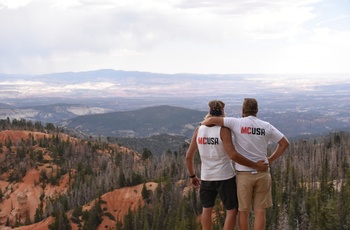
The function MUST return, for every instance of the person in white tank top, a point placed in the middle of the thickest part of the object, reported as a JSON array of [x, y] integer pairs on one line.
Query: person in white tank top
[[252, 137], [217, 175]]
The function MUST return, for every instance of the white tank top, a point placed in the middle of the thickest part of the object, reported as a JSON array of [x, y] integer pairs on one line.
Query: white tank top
[[216, 165]]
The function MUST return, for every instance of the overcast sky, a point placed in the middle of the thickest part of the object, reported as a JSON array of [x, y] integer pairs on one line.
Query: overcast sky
[[175, 36]]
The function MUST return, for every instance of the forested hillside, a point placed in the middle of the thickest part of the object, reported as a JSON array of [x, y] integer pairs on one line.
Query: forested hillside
[[79, 183]]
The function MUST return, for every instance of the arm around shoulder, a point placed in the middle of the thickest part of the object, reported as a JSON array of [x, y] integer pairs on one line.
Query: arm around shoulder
[[213, 121]]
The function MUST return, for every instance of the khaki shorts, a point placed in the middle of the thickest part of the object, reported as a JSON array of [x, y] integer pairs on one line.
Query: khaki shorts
[[253, 189]]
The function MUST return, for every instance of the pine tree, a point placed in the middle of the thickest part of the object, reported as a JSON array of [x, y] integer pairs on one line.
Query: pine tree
[[145, 193], [61, 223]]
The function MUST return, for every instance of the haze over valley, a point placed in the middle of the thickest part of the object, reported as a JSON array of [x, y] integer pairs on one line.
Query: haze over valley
[[296, 104]]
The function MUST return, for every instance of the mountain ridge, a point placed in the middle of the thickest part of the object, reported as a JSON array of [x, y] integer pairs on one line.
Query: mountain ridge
[[143, 122], [49, 113], [299, 104]]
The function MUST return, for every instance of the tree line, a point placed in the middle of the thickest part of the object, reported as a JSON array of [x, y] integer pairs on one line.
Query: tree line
[[311, 182]]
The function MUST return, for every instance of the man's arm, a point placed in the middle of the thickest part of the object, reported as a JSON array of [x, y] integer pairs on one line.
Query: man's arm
[[235, 156], [213, 121], [189, 159], [281, 148]]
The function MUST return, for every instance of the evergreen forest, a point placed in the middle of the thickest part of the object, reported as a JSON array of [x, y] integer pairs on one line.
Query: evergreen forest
[[311, 182]]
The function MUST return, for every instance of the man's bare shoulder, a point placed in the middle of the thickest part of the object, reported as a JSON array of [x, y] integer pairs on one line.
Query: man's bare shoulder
[[225, 130]]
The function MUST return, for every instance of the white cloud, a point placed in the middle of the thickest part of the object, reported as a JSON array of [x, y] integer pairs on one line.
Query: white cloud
[[333, 19], [13, 4], [330, 37], [21, 82], [90, 86], [169, 36]]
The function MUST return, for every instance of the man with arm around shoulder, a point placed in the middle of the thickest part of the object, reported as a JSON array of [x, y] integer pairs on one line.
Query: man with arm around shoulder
[[216, 151], [252, 137]]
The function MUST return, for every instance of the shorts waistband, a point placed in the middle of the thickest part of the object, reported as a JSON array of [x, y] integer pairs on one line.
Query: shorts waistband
[[251, 172]]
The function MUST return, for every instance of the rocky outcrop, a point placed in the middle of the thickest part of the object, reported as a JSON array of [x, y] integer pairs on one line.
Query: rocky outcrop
[[23, 207]]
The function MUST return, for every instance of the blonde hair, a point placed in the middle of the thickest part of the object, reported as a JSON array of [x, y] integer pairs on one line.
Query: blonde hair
[[216, 108]]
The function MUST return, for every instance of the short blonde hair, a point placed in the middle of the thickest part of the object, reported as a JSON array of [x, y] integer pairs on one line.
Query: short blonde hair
[[216, 108]]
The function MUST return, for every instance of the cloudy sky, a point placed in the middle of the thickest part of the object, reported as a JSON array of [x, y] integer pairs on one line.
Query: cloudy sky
[[175, 36]]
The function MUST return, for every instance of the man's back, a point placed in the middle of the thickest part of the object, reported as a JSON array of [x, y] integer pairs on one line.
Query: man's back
[[216, 165], [251, 137]]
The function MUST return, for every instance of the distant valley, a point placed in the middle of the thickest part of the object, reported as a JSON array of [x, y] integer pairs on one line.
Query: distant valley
[[125, 135], [135, 104]]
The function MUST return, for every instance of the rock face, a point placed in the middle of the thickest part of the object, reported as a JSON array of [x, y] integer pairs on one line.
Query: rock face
[[20, 213], [23, 207]]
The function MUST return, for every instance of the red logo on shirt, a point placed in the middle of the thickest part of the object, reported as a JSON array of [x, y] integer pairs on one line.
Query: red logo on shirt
[[208, 140], [252, 130]]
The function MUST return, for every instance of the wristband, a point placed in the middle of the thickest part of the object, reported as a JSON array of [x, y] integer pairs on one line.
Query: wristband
[[193, 176]]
